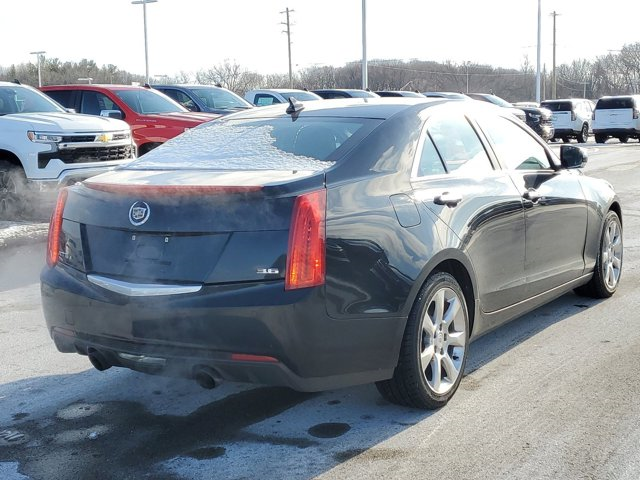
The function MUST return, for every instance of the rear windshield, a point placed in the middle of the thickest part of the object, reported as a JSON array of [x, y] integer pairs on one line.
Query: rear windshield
[[615, 102], [557, 106], [305, 143]]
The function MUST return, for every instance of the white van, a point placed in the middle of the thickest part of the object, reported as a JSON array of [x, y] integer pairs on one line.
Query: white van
[[618, 117]]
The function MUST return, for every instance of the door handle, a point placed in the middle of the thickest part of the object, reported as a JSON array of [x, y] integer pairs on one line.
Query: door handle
[[532, 195], [450, 199]]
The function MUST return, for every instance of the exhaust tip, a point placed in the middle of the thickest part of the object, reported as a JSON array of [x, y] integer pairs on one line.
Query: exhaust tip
[[98, 361], [205, 377]]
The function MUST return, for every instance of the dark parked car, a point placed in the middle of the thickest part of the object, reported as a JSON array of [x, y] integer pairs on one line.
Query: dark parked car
[[205, 98], [326, 244], [332, 93], [399, 93], [539, 119]]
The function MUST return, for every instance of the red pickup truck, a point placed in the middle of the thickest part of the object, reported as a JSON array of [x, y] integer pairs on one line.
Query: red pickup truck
[[154, 117]]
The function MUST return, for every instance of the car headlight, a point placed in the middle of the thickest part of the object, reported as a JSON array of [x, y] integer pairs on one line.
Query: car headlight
[[44, 137]]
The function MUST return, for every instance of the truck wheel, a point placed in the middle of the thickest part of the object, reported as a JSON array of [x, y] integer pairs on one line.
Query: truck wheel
[[13, 186], [600, 138], [434, 347], [583, 136]]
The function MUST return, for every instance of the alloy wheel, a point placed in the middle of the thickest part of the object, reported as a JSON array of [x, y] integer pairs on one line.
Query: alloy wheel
[[612, 254], [443, 340]]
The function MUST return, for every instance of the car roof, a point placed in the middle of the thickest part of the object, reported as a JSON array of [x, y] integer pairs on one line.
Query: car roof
[[381, 108], [277, 90], [185, 85], [90, 86]]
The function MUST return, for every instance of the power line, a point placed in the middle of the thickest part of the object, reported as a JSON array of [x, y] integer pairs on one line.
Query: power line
[[389, 67]]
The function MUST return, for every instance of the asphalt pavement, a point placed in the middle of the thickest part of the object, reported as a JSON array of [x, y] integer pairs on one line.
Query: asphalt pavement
[[552, 395]]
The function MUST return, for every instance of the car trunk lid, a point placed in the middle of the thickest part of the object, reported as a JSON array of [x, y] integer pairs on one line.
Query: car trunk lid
[[203, 227]]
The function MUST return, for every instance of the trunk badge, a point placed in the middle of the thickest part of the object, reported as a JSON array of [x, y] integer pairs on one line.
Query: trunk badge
[[267, 271], [139, 213]]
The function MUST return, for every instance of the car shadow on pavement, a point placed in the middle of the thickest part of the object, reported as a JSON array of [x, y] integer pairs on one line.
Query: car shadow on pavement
[[122, 424]]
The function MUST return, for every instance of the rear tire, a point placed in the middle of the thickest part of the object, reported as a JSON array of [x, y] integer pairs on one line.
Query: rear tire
[[600, 138], [13, 192], [583, 136], [623, 139], [606, 274], [434, 347], [566, 139]]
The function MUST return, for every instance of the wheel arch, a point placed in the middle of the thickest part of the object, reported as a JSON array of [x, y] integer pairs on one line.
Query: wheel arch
[[147, 147], [454, 262], [10, 157], [615, 206]]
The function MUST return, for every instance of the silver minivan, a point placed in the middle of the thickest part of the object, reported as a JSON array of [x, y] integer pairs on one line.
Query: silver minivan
[[617, 117]]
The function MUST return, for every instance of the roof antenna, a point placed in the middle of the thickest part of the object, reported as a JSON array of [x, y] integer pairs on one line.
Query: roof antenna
[[294, 106], [16, 81]]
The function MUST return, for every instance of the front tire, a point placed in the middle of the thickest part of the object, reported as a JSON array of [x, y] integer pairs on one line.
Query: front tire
[[434, 347], [13, 188], [606, 274]]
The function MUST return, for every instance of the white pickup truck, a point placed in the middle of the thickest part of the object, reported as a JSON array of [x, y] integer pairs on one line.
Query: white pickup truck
[[43, 147]]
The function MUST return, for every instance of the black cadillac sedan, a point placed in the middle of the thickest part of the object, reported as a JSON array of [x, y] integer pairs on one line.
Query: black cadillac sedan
[[327, 244]]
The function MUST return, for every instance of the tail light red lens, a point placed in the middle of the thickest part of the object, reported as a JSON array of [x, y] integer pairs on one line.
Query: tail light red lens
[[55, 229], [306, 257]]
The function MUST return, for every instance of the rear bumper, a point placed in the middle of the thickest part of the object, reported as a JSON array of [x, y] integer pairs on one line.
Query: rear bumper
[[254, 333], [565, 132], [614, 132]]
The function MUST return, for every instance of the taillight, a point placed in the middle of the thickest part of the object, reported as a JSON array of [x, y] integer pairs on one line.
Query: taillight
[[593, 115], [635, 113], [55, 229], [573, 116], [306, 252]]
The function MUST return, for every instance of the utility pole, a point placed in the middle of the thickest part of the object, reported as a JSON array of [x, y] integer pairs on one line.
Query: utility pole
[[553, 72], [144, 16], [538, 55], [365, 76], [288, 32], [39, 55], [466, 64]]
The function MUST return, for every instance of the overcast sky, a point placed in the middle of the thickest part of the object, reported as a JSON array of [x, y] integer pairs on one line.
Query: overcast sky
[[190, 35]]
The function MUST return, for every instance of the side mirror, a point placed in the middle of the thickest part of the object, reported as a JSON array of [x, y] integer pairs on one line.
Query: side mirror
[[572, 156], [71, 110], [111, 114]]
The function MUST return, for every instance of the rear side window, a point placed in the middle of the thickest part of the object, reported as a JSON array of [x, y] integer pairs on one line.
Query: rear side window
[[63, 97], [557, 106], [264, 99], [614, 103], [457, 144]]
